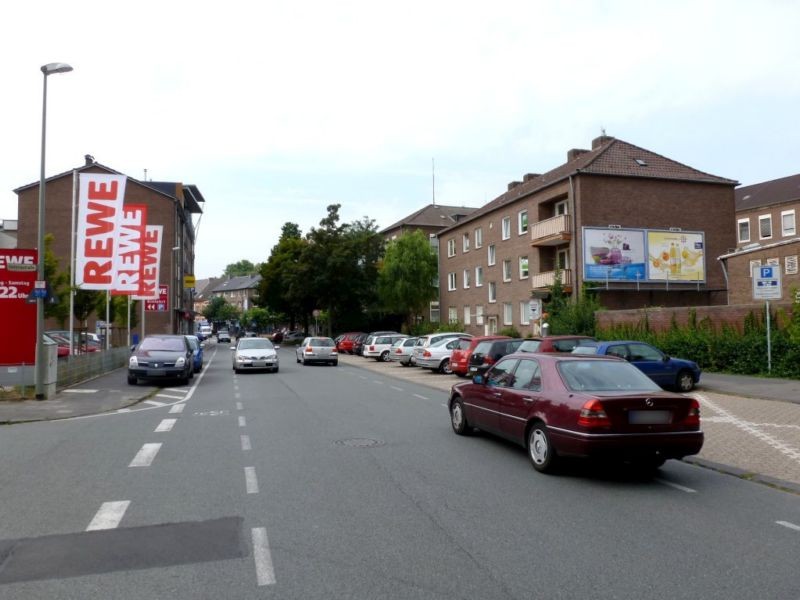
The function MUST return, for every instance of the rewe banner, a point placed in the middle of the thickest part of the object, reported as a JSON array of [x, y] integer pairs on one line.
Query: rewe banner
[[128, 259], [151, 259]]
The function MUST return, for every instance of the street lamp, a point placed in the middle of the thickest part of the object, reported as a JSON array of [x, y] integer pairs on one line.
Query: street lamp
[[48, 69], [172, 286]]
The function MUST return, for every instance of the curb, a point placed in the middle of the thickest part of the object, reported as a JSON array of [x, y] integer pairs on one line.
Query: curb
[[778, 484]]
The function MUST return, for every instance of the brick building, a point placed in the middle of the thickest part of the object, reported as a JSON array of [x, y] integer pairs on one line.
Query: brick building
[[237, 291], [169, 204], [643, 229], [766, 234]]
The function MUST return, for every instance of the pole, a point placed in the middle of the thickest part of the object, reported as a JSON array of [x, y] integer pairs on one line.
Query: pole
[[72, 261], [769, 342], [129, 322], [40, 358], [108, 314]]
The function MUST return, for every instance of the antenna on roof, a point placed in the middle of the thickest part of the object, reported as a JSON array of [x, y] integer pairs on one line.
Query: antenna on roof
[[145, 174], [433, 181], [602, 131]]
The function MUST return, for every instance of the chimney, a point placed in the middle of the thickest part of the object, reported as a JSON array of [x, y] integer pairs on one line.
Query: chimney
[[575, 153], [513, 184], [530, 176], [89, 159], [599, 141]]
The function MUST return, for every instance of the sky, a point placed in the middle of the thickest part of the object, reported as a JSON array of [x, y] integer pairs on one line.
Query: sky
[[275, 110]]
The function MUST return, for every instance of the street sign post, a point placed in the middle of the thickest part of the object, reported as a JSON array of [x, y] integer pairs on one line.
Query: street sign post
[[767, 286]]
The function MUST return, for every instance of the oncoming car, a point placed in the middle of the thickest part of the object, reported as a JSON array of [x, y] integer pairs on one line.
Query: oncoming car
[[161, 357], [250, 354]]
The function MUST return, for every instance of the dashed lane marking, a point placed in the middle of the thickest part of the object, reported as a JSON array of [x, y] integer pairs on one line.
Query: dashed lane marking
[[242, 422], [177, 409], [165, 425], [394, 387], [265, 572], [239, 406], [145, 456], [80, 391], [246, 443], [789, 525], [682, 488], [421, 397], [109, 515], [250, 479]]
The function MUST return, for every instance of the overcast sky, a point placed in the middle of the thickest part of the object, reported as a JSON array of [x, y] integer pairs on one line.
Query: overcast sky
[[277, 109]]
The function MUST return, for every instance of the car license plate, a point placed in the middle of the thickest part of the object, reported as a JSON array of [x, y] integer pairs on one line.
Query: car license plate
[[650, 417], [156, 372]]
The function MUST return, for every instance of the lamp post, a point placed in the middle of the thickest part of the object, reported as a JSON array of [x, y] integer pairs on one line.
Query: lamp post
[[48, 69], [172, 290]]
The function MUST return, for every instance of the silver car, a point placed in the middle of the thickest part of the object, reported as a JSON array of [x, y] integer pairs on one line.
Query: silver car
[[401, 351], [317, 350], [437, 356], [426, 340], [255, 353]]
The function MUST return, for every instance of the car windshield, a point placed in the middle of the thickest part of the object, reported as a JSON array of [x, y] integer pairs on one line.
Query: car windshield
[[604, 376], [324, 342], [255, 344], [585, 349], [529, 346], [171, 344]]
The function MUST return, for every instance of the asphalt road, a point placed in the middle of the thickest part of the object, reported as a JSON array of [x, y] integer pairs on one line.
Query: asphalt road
[[323, 482]]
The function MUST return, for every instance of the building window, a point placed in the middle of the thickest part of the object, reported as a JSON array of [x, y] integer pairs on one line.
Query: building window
[[765, 227], [452, 314], [479, 314], [506, 228], [465, 242], [754, 264], [492, 255], [434, 312], [508, 313], [451, 247], [451, 282], [787, 223], [479, 238], [466, 278], [523, 267], [492, 291], [774, 262], [466, 315], [561, 208], [506, 270], [790, 266], [562, 259], [744, 230], [478, 276], [522, 222], [525, 312]]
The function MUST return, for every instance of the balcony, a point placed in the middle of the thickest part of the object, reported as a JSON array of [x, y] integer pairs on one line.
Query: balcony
[[552, 232], [540, 281]]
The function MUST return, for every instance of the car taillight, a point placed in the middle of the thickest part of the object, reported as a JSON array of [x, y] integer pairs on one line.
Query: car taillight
[[398, 351], [309, 350], [371, 348], [593, 415], [426, 354], [693, 416]]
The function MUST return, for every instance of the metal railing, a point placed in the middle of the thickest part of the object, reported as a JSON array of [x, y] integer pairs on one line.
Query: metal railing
[[548, 278]]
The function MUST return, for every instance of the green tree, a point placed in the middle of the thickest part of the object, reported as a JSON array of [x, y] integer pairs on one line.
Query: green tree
[[282, 289], [406, 277], [57, 305], [241, 268]]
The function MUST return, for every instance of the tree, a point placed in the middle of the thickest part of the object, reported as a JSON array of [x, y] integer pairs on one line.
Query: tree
[[241, 268], [282, 288], [57, 305], [406, 279]]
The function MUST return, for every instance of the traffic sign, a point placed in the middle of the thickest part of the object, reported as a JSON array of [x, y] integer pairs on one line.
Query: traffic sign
[[767, 282]]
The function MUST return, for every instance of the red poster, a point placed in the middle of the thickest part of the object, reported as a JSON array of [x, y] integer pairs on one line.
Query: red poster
[[17, 315], [160, 305]]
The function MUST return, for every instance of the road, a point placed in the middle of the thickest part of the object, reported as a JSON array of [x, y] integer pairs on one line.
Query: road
[[323, 482]]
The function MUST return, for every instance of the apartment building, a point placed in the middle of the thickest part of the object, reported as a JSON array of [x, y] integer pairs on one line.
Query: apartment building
[[766, 234], [636, 226], [237, 291]]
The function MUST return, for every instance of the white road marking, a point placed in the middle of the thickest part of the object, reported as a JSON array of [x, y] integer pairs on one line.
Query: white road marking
[[445, 405], [167, 396], [239, 406], [242, 422], [265, 572], [394, 387], [145, 456], [378, 382], [109, 515], [246, 443], [682, 488], [177, 409], [156, 402], [361, 377], [789, 525], [421, 397], [251, 481], [122, 410], [69, 391], [165, 425]]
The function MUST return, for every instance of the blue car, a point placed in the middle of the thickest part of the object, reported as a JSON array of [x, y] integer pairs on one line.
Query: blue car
[[197, 352], [666, 371]]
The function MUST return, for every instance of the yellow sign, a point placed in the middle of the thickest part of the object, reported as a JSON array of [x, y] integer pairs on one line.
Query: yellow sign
[[188, 281]]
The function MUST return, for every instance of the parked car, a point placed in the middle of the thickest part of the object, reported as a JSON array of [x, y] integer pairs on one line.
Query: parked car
[[223, 336], [358, 343], [317, 350], [558, 405], [348, 341], [62, 350], [426, 340], [80, 343], [437, 356], [159, 357], [666, 371], [459, 360], [254, 353], [401, 350], [293, 336], [197, 352], [378, 346], [554, 343], [489, 352]]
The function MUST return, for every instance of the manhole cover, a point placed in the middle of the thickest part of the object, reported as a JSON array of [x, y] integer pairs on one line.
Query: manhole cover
[[359, 443]]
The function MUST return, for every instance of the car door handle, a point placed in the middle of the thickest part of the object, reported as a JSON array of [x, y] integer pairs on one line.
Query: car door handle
[[528, 399]]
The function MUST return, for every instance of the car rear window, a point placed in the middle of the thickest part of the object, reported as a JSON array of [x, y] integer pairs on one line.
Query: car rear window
[[464, 344], [568, 345], [170, 344], [604, 376], [530, 346], [321, 342]]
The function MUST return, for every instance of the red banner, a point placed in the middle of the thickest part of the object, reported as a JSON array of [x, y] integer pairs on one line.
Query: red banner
[[151, 259], [17, 315], [130, 251], [162, 303]]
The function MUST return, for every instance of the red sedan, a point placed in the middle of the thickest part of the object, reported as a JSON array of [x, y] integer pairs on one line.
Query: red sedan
[[558, 405], [459, 360]]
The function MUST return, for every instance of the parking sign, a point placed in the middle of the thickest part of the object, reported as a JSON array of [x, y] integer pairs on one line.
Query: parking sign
[[767, 282]]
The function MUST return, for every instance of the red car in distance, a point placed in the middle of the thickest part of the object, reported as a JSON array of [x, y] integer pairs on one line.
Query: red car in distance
[[347, 343], [459, 360]]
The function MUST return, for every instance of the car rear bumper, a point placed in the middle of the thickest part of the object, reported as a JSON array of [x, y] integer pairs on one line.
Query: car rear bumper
[[161, 373], [632, 445]]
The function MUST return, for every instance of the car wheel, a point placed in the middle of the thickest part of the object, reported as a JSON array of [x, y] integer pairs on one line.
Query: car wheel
[[275, 370], [335, 363], [132, 380], [684, 381], [458, 418], [303, 361], [385, 356], [444, 367], [540, 448]]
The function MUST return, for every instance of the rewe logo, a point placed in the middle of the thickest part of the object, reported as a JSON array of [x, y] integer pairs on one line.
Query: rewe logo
[[17, 263]]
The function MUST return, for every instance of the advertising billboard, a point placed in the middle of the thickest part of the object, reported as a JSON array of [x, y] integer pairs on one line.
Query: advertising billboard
[[17, 315], [676, 256]]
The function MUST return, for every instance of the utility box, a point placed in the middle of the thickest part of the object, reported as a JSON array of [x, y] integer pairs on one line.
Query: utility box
[[50, 369]]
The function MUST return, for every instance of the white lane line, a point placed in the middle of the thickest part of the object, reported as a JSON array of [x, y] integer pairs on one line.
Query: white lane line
[[124, 410], [235, 388], [445, 405], [145, 456], [242, 422], [167, 396], [421, 397], [237, 395], [68, 391], [378, 382], [361, 377], [239, 406], [789, 525], [265, 572], [109, 515], [165, 425], [682, 488], [251, 481], [177, 409], [156, 402], [246, 443], [394, 387]]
